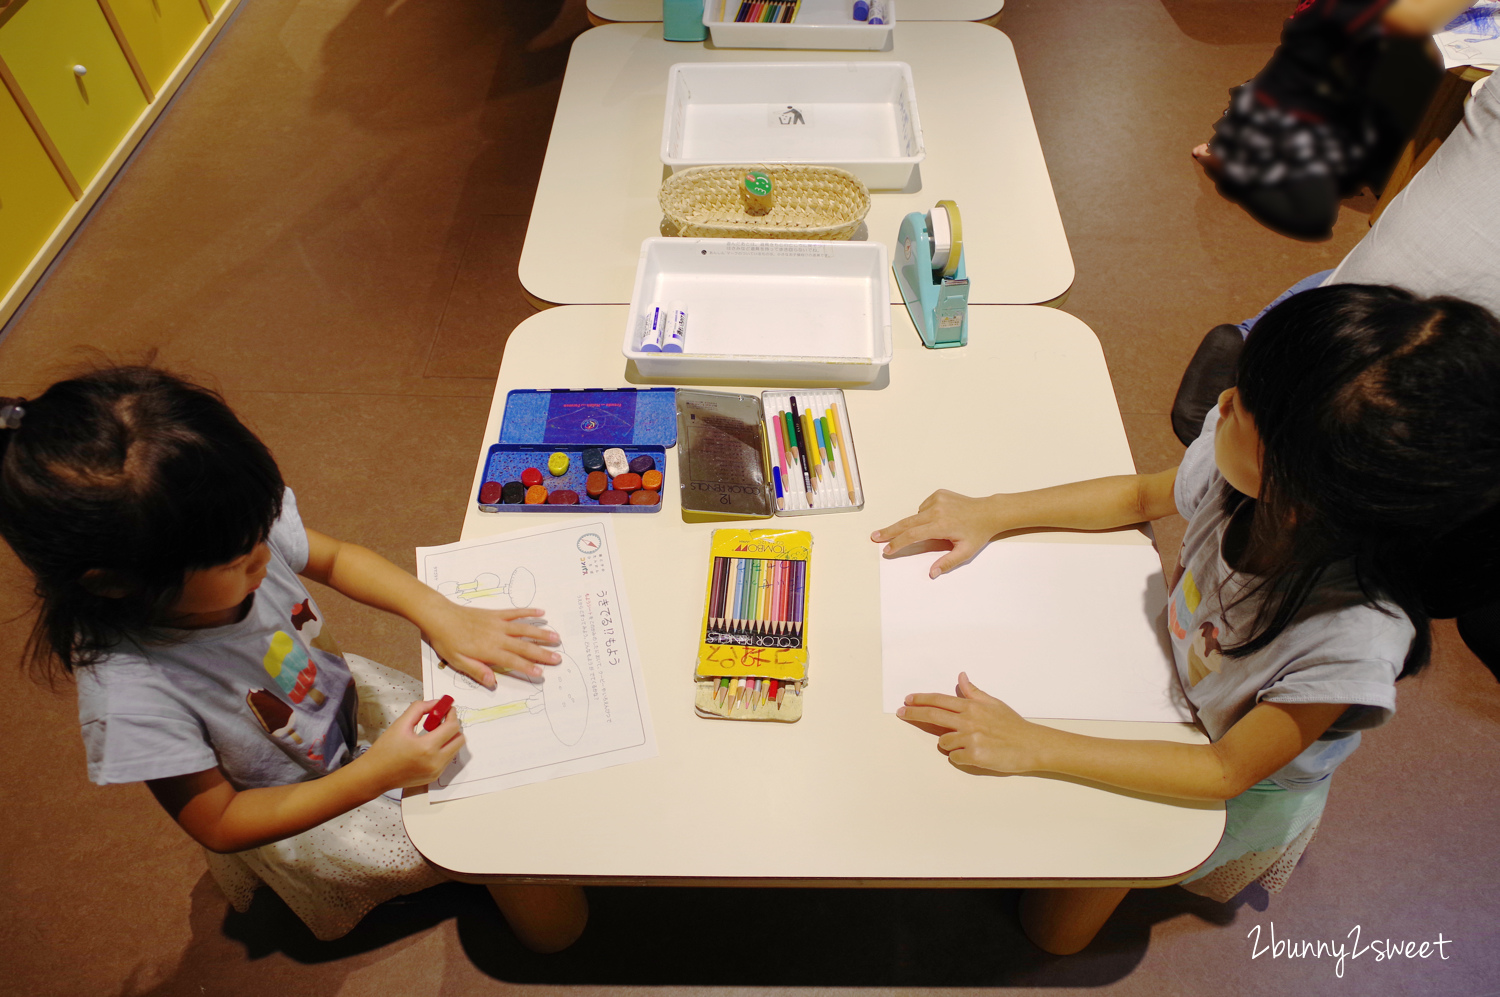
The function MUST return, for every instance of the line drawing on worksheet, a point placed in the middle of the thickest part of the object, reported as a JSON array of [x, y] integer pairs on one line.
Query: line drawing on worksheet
[[563, 699], [519, 587], [586, 712]]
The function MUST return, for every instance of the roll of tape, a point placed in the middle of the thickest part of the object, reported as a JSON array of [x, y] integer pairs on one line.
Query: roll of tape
[[956, 230], [940, 236]]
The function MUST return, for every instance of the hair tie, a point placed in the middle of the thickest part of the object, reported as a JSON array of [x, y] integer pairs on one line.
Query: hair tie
[[11, 414]]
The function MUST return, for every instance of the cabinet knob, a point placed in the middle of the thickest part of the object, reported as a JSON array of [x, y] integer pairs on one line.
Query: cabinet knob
[[80, 70]]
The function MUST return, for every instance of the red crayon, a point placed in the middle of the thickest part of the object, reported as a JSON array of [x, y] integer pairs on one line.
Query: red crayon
[[439, 713]]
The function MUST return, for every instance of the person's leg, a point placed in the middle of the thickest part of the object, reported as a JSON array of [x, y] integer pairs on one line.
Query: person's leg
[[545, 917], [1213, 365], [1063, 920], [1210, 371], [1305, 284]]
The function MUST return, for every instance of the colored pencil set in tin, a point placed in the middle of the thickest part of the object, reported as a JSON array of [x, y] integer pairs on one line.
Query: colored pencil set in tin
[[766, 12], [812, 462], [752, 655]]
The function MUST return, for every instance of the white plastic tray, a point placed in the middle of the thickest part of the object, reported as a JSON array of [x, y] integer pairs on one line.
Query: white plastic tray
[[827, 24], [858, 116], [765, 311]]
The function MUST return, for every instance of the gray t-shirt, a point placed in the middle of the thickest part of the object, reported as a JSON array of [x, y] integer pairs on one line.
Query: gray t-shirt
[[1441, 233], [1337, 650], [268, 699]]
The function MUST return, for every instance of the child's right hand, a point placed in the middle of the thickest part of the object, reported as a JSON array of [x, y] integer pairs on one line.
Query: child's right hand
[[946, 521], [407, 756], [480, 642]]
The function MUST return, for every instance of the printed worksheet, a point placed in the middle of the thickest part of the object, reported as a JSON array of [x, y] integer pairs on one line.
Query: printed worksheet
[[588, 712]]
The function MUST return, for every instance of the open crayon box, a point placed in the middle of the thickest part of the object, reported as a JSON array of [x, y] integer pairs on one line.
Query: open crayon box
[[782, 453], [752, 650], [584, 426]]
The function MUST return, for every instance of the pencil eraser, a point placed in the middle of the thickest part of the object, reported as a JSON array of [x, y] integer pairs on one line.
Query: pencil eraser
[[615, 461], [643, 463], [613, 497], [563, 496], [531, 476], [536, 495], [593, 459], [644, 496], [651, 480], [514, 493], [557, 464], [489, 492], [597, 484], [627, 482]]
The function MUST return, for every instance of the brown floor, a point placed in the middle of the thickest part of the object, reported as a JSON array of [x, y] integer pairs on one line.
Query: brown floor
[[326, 224]]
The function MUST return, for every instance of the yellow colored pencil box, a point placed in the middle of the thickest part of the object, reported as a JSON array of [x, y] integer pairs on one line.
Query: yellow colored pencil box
[[752, 650]]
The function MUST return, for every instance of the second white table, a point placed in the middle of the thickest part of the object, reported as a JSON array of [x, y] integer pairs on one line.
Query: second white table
[[597, 196]]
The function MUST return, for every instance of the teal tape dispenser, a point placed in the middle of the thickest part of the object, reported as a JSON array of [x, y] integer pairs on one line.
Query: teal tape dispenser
[[930, 272]]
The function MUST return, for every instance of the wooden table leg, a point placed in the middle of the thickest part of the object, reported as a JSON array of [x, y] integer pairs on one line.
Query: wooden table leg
[[545, 917], [1063, 920]]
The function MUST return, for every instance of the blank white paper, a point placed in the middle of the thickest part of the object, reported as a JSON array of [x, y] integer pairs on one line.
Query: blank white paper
[[1070, 631]]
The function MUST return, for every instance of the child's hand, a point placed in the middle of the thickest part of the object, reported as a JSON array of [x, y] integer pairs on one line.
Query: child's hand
[[946, 521], [982, 732], [406, 756], [480, 642]]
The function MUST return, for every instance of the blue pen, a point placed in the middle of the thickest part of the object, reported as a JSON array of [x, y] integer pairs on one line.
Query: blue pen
[[776, 477]]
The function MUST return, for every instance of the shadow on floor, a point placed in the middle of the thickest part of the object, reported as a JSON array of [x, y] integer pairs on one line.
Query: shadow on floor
[[715, 937], [1255, 22]]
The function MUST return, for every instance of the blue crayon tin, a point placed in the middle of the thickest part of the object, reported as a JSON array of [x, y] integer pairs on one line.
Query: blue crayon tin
[[539, 422]]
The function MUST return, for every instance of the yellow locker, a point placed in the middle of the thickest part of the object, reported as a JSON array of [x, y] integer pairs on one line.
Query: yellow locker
[[159, 33], [71, 69], [33, 197]]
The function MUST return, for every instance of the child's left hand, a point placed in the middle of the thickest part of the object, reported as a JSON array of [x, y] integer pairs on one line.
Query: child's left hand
[[479, 642], [981, 731]]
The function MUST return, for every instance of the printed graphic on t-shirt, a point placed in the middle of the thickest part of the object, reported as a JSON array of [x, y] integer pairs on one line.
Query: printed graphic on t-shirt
[[1203, 653], [295, 710], [1200, 645], [1184, 604]]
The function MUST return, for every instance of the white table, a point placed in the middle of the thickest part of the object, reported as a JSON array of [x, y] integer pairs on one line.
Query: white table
[[597, 196], [848, 795], [907, 10]]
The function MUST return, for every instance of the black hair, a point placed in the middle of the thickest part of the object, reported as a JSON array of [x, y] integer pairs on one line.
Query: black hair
[[1379, 419], [135, 477]]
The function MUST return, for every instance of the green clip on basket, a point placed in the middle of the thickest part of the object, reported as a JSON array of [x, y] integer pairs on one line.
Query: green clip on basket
[[809, 202]]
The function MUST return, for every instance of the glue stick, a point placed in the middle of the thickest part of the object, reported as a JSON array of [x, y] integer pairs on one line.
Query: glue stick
[[674, 330], [651, 324], [877, 12]]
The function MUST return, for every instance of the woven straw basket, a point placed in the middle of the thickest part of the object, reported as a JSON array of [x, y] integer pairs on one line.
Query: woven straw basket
[[811, 202]]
